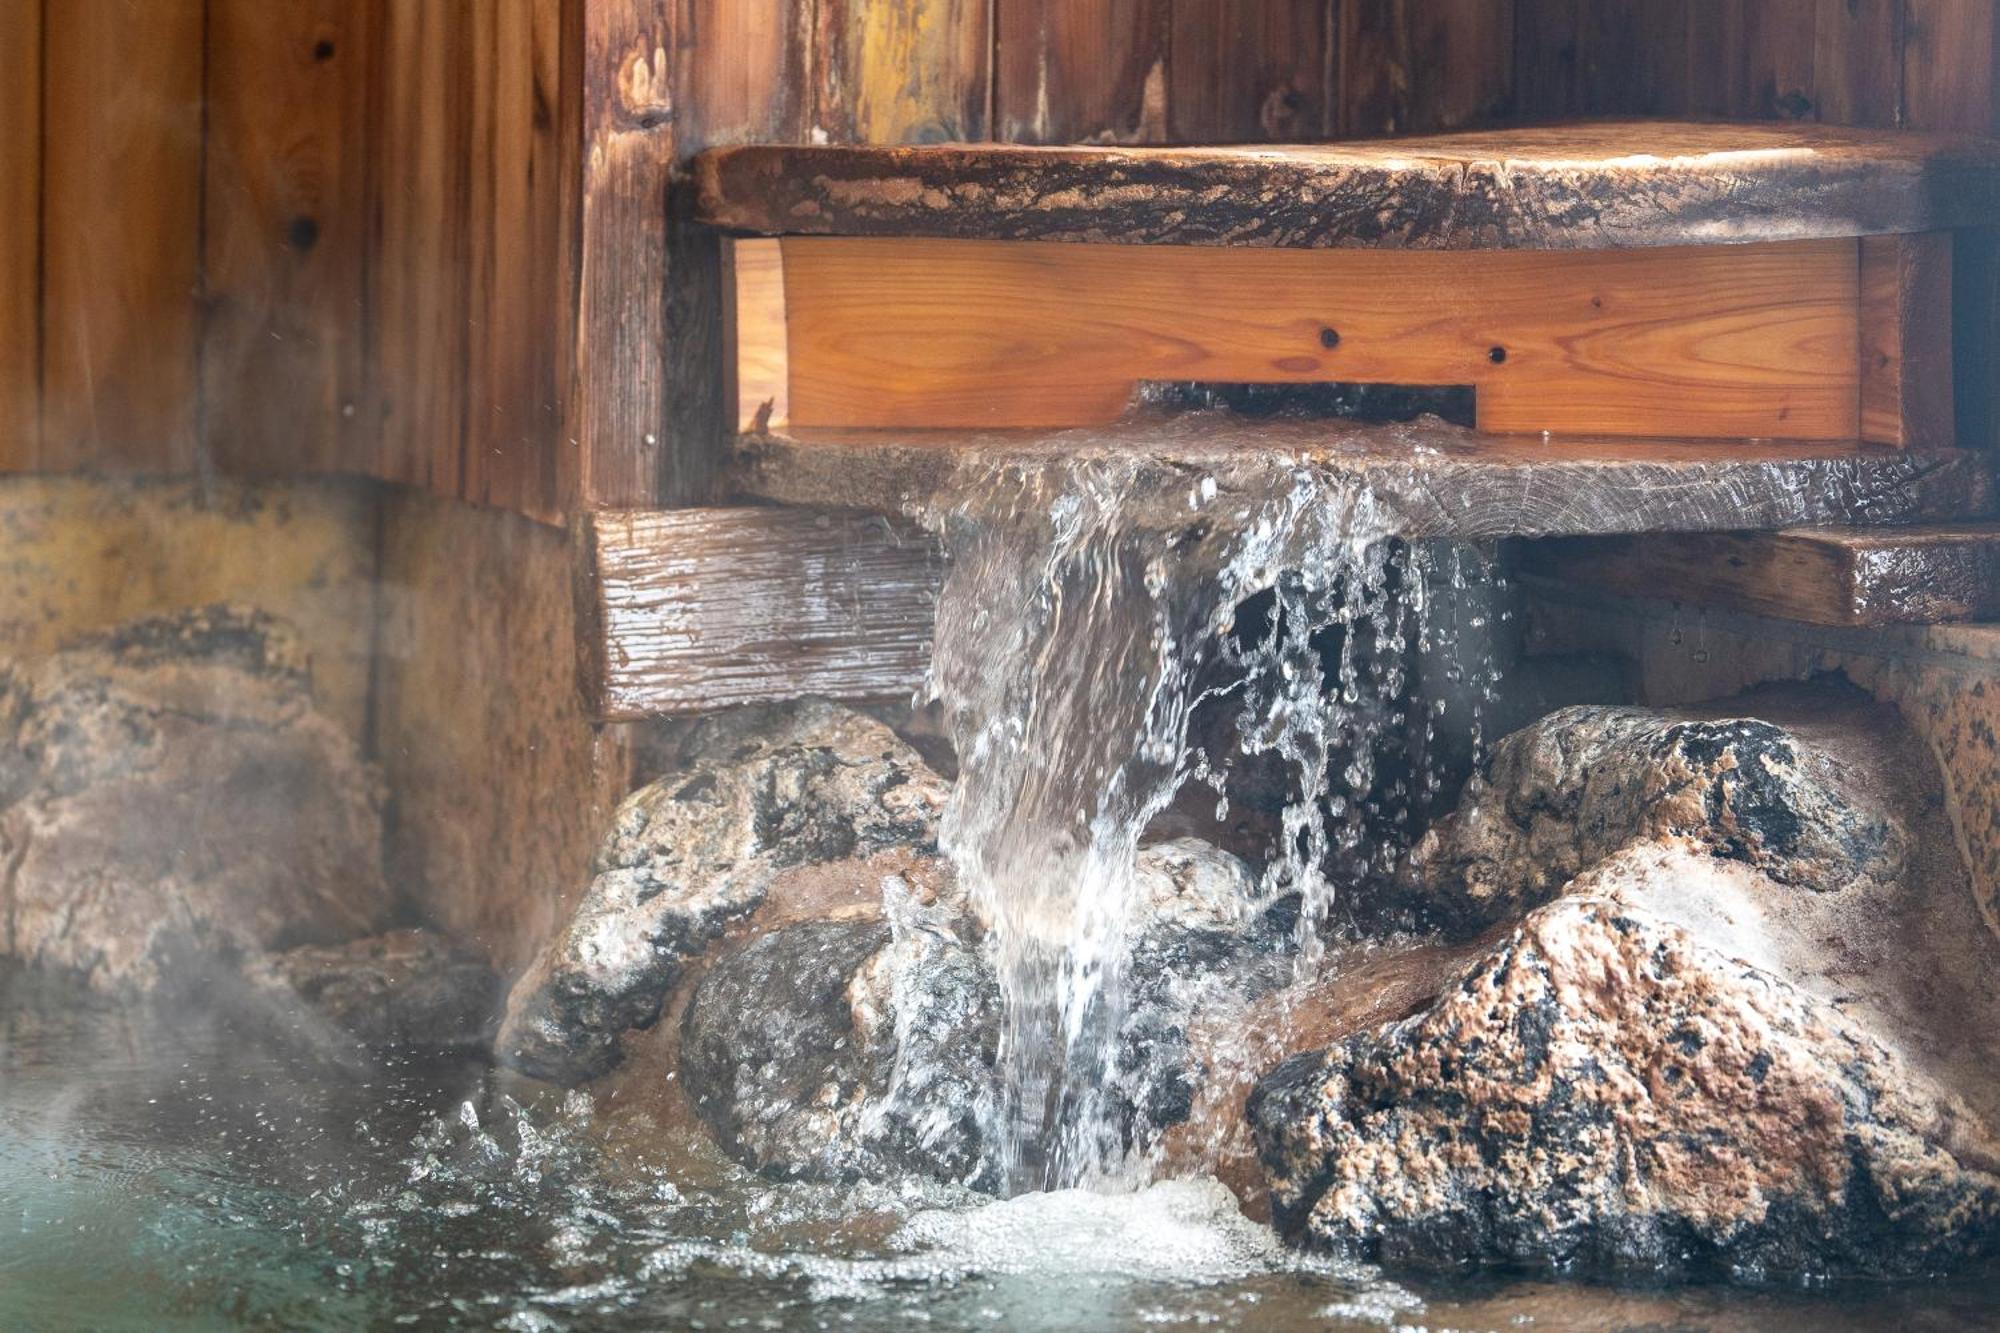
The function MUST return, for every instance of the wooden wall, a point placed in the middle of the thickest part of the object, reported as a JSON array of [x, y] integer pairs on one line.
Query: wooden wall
[[429, 240]]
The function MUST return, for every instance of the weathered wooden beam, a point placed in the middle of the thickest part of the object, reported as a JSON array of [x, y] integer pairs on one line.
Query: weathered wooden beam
[[1573, 187], [688, 610], [1423, 479], [1843, 576]]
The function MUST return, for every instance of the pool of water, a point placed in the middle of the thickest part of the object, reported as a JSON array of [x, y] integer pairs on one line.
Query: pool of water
[[168, 1170]]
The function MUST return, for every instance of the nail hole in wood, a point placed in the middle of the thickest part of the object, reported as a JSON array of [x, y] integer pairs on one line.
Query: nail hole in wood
[[322, 49], [1496, 355], [303, 233], [1329, 338]]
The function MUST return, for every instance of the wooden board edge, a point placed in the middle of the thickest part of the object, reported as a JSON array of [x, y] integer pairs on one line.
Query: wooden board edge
[[1906, 342], [755, 334]]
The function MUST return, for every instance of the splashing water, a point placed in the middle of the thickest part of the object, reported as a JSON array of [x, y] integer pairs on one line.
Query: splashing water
[[1073, 648]]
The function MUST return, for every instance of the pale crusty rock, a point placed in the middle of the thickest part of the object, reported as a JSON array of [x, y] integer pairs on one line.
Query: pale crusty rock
[[1602, 1093], [399, 989], [698, 849], [169, 795], [1585, 782]]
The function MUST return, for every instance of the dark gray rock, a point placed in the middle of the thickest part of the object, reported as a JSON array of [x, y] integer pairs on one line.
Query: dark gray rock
[[400, 989], [697, 850], [849, 1049], [1602, 1093], [169, 797], [1587, 781]]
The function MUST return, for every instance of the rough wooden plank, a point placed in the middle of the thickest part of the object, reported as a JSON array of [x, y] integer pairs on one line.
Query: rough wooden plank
[[1076, 71], [1906, 393], [121, 233], [1949, 65], [741, 69], [1422, 65], [1751, 59], [902, 73], [1600, 58], [421, 268], [1572, 187], [1720, 341], [1242, 73], [1858, 62], [20, 235], [284, 233], [1849, 577], [522, 184], [621, 401], [1426, 479], [691, 610], [756, 355]]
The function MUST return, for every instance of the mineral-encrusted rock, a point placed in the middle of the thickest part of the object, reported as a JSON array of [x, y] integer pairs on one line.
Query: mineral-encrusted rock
[[1602, 1093], [169, 795], [1586, 781], [698, 850], [865, 1048], [403, 988], [849, 1049]]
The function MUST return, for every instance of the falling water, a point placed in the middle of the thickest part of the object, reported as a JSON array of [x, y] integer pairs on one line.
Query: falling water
[[1074, 645]]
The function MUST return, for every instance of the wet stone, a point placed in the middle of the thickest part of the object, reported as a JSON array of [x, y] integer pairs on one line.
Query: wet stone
[[170, 798], [399, 989], [1584, 782], [697, 850], [1601, 1093]]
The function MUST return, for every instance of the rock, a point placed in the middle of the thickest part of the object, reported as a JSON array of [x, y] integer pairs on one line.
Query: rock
[[404, 988], [848, 1050], [1603, 1093], [169, 797], [1586, 781], [699, 849], [866, 1048]]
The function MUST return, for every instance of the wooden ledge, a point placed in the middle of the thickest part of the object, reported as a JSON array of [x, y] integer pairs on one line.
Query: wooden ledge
[[1426, 478], [1846, 577], [1605, 185]]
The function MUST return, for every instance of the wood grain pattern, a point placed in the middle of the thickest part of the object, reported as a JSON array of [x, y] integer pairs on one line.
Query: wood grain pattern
[[1428, 478], [754, 336], [698, 609], [902, 73], [1906, 371], [1081, 71], [1858, 62], [1572, 187], [1249, 72], [1406, 66], [524, 141], [284, 234], [1718, 342], [622, 404], [121, 229], [20, 235], [1846, 577], [741, 70], [421, 269], [1950, 64]]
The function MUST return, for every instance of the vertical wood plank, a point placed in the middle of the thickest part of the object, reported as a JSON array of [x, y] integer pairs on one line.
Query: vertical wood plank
[[284, 233], [912, 72], [621, 401], [420, 273], [1460, 55], [1949, 64], [754, 334], [1250, 72], [121, 227], [20, 233], [1752, 59], [1073, 71], [1858, 62], [742, 69]]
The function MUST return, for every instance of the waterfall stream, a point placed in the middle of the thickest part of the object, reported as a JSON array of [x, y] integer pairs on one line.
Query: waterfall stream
[[1074, 646]]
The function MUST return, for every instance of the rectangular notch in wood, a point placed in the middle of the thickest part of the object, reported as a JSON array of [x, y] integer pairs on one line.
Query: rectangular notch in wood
[[1815, 340]]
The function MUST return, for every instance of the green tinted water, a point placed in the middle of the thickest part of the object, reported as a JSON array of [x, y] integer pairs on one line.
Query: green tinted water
[[163, 1172]]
